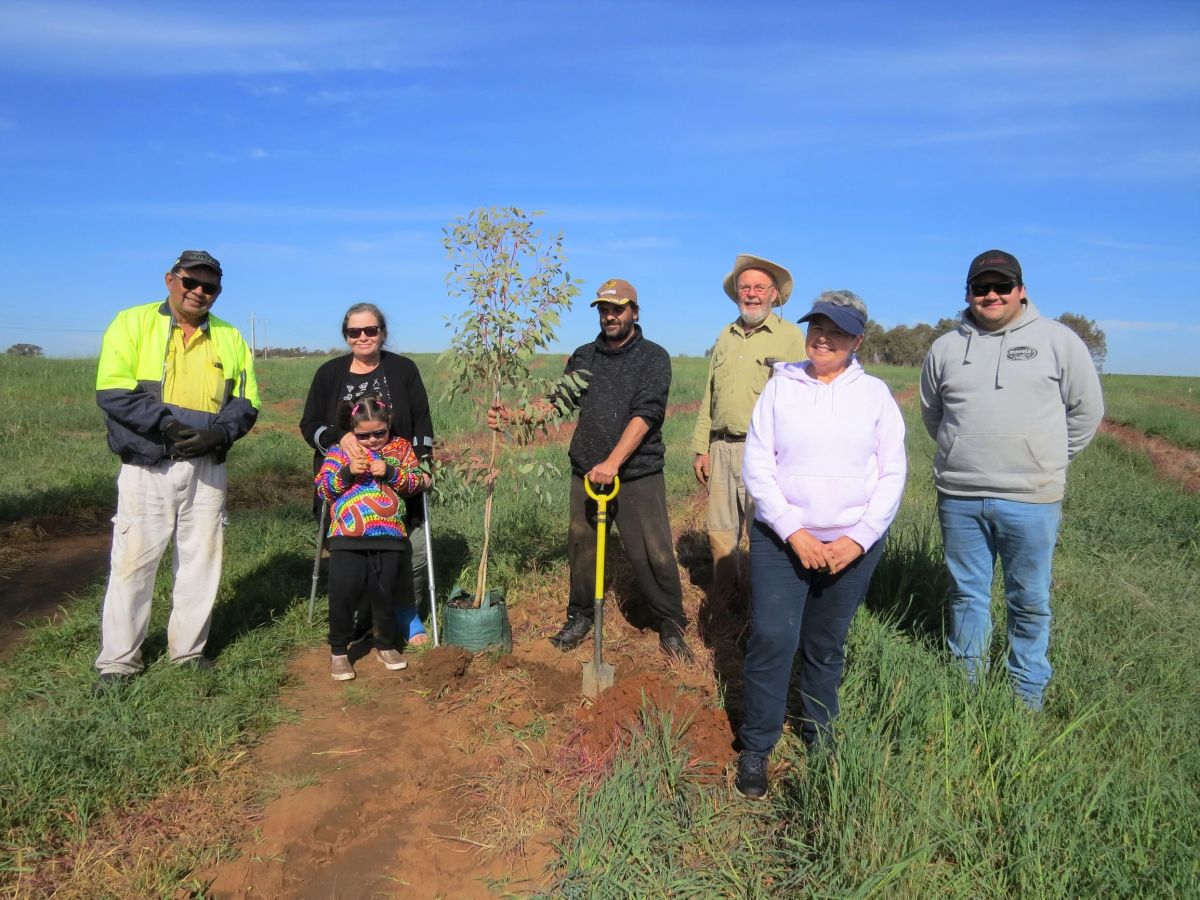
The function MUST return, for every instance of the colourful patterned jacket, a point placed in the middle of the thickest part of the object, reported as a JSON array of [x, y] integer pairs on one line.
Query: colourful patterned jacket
[[363, 506]]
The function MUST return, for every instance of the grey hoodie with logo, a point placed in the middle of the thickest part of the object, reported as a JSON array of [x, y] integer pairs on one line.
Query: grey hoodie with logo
[[1010, 408]]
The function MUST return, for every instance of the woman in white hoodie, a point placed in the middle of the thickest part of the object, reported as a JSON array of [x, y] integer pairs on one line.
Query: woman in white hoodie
[[825, 464]]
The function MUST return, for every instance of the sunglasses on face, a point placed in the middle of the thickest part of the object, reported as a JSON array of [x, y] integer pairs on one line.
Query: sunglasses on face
[[369, 330], [190, 284], [983, 288], [371, 435]]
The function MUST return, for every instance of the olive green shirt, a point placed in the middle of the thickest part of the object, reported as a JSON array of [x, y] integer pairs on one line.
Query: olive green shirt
[[737, 373]]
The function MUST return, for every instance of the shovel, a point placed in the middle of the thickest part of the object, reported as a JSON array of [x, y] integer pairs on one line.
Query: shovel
[[598, 675]]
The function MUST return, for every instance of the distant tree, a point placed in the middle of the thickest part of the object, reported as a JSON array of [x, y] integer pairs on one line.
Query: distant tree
[[24, 350], [871, 350], [947, 324], [1090, 333]]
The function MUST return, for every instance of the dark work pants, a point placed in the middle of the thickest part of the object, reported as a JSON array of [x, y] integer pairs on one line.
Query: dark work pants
[[793, 607], [640, 514], [367, 578]]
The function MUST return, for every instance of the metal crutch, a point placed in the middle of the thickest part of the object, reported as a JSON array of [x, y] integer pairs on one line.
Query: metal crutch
[[429, 569], [312, 594]]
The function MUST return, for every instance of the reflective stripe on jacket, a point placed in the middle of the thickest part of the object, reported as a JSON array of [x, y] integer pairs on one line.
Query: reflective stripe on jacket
[[130, 376]]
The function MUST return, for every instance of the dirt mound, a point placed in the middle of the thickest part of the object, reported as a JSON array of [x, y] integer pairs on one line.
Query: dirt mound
[[620, 712]]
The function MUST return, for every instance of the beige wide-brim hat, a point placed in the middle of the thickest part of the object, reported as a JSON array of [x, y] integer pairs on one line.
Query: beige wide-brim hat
[[782, 277]]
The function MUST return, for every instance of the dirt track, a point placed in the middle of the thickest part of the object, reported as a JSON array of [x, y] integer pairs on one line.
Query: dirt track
[[459, 771]]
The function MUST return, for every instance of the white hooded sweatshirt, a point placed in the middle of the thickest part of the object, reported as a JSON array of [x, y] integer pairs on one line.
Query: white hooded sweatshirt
[[826, 458]]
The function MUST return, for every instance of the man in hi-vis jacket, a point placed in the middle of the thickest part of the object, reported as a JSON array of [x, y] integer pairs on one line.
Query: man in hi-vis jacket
[[176, 385]]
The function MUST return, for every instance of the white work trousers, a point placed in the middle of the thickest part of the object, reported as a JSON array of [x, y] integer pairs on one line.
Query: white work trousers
[[184, 499]]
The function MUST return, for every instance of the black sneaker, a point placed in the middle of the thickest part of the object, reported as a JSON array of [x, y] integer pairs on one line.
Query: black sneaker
[[107, 681], [670, 639], [751, 775], [571, 635]]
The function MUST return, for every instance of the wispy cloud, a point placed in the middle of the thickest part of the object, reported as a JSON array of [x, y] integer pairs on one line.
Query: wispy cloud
[[269, 213], [1173, 327], [155, 39], [250, 154]]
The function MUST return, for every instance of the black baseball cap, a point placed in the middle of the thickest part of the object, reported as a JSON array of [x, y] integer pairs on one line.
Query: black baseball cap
[[191, 259], [995, 261]]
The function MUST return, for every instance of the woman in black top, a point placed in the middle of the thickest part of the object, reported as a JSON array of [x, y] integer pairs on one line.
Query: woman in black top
[[369, 369]]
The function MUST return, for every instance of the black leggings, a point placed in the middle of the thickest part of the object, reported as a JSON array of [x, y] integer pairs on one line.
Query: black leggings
[[366, 578]]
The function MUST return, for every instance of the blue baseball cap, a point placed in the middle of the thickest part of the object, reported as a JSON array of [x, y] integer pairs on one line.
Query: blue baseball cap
[[847, 318]]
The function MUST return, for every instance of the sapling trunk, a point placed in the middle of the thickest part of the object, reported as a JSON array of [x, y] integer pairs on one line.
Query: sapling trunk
[[481, 578]]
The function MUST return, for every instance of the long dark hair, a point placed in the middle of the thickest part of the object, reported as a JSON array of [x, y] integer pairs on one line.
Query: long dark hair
[[368, 408]]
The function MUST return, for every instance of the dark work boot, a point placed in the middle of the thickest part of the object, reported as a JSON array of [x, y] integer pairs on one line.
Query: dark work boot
[[571, 635], [751, 778], [670, 639]]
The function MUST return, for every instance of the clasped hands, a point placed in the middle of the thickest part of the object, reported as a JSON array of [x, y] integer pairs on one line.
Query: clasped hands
[[833, 557], [191, 443], [361, 461]]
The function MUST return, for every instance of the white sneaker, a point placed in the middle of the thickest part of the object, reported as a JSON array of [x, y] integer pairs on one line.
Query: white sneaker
[[392, 659], [340, 667]]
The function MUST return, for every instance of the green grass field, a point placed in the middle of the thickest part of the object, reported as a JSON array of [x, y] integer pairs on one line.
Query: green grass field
[[935, 790], [1159, 405]]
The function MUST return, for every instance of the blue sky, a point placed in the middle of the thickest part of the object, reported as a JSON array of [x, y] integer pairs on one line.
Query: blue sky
[[319, 149]]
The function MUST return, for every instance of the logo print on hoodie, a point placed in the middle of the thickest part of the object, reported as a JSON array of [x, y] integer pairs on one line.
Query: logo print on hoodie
[[1022, 353]]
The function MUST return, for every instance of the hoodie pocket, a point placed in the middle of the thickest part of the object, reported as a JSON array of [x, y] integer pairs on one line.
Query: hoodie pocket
[[1001, 462], [828, 501]]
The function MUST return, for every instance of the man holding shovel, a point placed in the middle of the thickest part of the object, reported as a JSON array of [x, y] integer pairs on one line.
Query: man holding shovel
[[619, 433]]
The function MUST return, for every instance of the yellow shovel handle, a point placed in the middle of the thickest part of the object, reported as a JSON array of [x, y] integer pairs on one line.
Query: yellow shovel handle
[[601, 530], [601, 498]]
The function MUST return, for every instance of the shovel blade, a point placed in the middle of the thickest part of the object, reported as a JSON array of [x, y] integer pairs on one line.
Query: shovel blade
[[596, 678]]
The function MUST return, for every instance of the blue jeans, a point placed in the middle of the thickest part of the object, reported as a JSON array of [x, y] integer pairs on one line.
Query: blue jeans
[[793, 607], [976, 532]]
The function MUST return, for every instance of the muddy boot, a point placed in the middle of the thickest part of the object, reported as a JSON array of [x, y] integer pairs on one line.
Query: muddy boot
[[670, 639], [577, 627]]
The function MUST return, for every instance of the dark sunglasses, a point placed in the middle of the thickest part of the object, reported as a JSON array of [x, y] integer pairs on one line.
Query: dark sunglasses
[[190, 284], [370, 435], [983, 288], [368, 330]]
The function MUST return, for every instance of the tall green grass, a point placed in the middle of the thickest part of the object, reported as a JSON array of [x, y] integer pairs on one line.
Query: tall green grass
[[1159, 405], [938, 789]]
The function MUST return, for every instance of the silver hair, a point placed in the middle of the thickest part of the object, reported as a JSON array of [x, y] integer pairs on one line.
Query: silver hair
[[844, 298]]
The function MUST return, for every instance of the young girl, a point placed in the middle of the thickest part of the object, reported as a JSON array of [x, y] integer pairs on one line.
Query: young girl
[[369, 552]]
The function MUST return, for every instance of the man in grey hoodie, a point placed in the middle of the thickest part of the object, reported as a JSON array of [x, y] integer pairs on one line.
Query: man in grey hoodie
[[1010, 397]]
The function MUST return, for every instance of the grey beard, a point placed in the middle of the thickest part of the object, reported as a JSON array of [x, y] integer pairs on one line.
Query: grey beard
[[754, 324]]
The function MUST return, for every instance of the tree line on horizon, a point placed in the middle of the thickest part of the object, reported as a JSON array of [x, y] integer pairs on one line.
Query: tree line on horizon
[[900, 345], [907, 345]]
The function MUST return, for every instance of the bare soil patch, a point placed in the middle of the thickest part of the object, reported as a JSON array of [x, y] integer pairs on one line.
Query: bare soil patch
[[43, 562], [455, 777], [1170, 461]]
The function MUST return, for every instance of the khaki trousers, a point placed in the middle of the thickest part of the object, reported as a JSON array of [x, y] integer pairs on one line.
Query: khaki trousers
[[730, 513], [180, 499]]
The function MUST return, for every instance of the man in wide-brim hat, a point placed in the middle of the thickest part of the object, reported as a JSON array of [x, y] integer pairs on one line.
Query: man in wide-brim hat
[[740, 365]]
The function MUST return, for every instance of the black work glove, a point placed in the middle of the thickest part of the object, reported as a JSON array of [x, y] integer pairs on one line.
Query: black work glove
[[205, 440], [177, 431]]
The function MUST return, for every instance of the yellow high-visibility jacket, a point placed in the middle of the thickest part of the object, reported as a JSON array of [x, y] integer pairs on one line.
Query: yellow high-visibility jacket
[[133, 368]]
